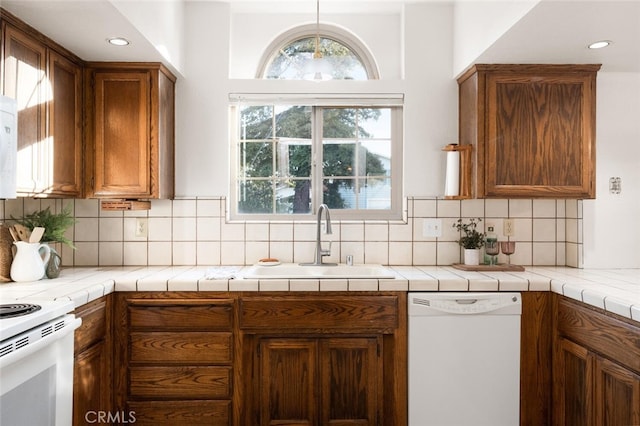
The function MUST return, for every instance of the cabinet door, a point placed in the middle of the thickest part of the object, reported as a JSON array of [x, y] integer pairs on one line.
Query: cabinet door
[[574, 378], [65, 126], [350, 381], [540, 131], [287, 381], [617, 394], [90, 393], [26, 81], [122, 134], [321, 381]]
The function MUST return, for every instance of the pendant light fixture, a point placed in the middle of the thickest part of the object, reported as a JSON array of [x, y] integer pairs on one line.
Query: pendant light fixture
[[318, 69]]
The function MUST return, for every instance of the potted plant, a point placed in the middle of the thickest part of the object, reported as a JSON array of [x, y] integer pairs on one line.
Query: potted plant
[[471, 240], [55, 225]]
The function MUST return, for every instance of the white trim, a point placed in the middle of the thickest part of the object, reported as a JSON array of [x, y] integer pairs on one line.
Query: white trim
[[332, 32], [321, 99], [394, 213]]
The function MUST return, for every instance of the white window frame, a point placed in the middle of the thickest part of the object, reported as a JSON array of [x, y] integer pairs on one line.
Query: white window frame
[[392, 101], [326, 31]]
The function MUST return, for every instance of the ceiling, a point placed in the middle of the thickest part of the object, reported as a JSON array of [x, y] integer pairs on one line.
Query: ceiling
[[552, 32]]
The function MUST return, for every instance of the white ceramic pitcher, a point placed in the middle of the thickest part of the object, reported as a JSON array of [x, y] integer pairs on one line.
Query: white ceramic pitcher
[[29, 261]]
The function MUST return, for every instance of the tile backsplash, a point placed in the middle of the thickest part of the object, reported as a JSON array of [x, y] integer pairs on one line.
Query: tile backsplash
[[194, 231]]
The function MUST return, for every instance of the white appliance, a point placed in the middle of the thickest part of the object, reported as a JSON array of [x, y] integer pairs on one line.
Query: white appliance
[[8, 147], [36, 363], [464, 359]]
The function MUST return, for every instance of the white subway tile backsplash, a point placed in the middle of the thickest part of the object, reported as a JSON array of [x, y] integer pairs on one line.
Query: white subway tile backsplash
[[257, 231], [544, 253], [424, 253], [496, 208], [376, 231], [472, 208], [160, 253], [208, 253], [160, 229], [86, 229], [376, 252], [110, 229], [448, 208], [184, 253], [161, 208], [281, 231], [544, 208], [184, 208], [256, 250], [86, 208], [520, 208], [209, 208], [110, 253], [544, 230], [232, 253], [195, 231], [400, 252], [424, 208], [352, 231], [135, 253], [207, 229]]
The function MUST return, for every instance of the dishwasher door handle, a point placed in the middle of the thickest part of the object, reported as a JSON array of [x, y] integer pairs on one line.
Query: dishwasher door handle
[[464, 304]]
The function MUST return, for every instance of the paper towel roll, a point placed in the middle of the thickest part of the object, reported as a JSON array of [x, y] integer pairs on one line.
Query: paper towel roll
[[452, 180]]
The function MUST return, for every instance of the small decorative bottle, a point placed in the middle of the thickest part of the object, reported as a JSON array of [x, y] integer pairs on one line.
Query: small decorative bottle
[[491, 247]]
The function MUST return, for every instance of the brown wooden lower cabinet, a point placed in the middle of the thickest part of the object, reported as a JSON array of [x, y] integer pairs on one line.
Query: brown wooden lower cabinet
[[596, 367], [320, 359], [261, 358], [92, 366], [174, 358]]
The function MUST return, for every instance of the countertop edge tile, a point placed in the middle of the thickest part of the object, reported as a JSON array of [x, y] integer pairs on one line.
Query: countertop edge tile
[[614, 290]]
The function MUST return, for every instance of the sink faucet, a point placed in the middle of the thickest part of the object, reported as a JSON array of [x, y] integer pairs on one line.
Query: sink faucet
[[320, 252]]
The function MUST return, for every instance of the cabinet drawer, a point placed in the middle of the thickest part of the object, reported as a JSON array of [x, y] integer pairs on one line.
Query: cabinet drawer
[[602, 333], [181, 315], [94, 324], [321, 312], [192, 413], [180, 382], [181, 348]]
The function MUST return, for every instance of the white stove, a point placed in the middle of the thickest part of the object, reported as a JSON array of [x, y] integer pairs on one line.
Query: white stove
[[36, 362], [19, 316]]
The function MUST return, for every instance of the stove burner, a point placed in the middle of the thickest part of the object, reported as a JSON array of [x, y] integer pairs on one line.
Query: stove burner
[[17, 309]]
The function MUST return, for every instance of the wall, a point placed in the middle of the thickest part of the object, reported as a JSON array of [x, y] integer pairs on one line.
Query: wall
[[194, 231], [611, 233]]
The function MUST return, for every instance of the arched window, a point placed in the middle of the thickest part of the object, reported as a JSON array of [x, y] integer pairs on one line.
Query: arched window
[[343, 56]]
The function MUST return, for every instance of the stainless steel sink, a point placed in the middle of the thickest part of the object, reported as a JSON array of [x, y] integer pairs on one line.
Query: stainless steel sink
[[296, 271]]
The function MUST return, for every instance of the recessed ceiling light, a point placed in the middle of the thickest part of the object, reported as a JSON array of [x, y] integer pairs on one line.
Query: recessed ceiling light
[[118, 41], [599, 44]]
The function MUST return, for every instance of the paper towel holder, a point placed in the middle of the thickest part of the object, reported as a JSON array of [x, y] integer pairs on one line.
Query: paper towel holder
[[464, 170]]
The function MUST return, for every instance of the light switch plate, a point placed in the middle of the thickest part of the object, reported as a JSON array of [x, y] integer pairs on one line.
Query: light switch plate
[[432, 228]]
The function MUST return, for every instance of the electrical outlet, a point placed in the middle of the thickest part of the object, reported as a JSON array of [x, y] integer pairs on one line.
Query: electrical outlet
[[142, 227], [508, 228], [432, 228]]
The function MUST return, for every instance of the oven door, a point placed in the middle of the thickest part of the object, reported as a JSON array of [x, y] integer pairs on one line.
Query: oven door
[[37, 380]]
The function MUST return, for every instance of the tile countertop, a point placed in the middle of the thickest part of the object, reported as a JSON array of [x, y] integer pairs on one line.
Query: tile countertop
[[614, 290]]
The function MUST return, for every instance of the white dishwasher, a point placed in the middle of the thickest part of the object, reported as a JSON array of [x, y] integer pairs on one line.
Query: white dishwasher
[[464, 359]]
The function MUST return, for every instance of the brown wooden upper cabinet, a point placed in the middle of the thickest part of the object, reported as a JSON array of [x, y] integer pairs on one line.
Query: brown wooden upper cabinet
[[46, 81], [130, 131], [533, 128]]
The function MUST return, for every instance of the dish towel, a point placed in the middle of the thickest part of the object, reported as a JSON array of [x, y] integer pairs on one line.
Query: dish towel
[[221, 273]]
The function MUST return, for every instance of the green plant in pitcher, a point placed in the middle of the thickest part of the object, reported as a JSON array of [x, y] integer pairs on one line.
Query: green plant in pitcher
[[54, 224]]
